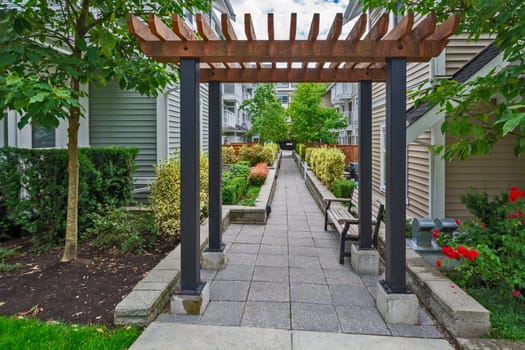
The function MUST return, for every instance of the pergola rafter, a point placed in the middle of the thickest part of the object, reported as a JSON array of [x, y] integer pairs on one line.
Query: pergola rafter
[[380, 56], [255, 60]]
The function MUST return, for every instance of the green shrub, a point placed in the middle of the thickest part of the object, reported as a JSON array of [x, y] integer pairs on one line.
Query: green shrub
[[228, 155], [234, 189], [239, 169], [116, 227], [308, 154], [256, 154], [34, 183], [343, 188], [250, 196], [165, 195]]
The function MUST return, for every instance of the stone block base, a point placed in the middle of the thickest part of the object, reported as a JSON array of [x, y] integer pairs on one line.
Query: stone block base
[[396, 308], [364, 262], [213, 260], [182, 304]]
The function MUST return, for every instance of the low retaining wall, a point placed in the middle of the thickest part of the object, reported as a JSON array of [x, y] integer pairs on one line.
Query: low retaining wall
[[458, 312]]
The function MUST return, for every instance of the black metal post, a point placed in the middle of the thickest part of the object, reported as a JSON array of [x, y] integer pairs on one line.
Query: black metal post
[[395, 268], [214, 155], [365, 164], [190, 193]]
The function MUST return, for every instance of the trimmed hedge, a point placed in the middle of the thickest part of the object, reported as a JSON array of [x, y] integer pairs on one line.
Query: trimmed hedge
[[235, 182], [343, 188], [34, 187]]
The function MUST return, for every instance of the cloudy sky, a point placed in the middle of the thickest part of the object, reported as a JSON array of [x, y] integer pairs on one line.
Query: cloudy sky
[[282, 10]]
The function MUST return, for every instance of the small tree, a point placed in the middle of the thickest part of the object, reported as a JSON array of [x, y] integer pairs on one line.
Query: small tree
[[48, 49], [268, 115], [311, 122], [477, 130]]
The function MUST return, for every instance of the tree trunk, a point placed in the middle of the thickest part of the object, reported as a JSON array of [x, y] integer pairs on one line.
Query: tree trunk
[[70, 248]]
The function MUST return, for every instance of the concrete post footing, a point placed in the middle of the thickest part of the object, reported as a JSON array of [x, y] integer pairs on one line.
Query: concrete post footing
[[364, 261], [182, 304], [213, 260], [397, 308]]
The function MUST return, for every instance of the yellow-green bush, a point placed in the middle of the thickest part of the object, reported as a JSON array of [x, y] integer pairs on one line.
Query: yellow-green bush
[[327, 163], [165, 195], [256, 154], [307, 154], [228, 155], [274, 148], [301, 150]]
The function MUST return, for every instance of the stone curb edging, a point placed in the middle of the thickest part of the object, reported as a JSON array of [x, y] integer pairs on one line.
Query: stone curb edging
[[152, 294], [458, 312]]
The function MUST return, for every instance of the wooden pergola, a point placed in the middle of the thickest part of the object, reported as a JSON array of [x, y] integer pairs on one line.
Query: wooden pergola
[[379, 56]]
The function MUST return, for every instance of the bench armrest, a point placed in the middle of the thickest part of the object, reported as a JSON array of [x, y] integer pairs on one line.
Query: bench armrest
[[329, 201]]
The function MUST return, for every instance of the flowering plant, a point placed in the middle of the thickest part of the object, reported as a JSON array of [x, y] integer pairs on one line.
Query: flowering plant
[[258, 174], [490, 250]]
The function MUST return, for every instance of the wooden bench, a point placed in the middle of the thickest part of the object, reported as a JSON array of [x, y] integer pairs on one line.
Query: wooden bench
[[342, 218]]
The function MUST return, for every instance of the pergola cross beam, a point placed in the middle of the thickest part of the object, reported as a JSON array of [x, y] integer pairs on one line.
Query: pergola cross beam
[[336, 59]]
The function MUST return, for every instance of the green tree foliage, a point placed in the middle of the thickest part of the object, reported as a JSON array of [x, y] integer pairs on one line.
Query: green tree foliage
[[478, 131], [268, 115], [311, 122], [48, 49]]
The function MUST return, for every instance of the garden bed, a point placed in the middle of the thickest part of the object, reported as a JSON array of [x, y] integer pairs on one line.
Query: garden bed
[[84, 291]]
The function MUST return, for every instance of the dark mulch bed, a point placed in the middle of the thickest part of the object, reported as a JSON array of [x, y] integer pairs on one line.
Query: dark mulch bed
[[84, 291]]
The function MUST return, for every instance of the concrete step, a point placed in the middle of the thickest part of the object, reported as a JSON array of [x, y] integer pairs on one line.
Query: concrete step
[[174, 336]]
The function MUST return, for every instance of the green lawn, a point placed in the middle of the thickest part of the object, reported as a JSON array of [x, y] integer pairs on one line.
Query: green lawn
[[34, 334], [507, 316]]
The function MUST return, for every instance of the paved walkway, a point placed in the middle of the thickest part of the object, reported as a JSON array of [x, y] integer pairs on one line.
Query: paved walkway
[[284, 279]]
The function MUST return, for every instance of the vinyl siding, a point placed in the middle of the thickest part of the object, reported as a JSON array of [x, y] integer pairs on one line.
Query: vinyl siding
[[460, 50], [493, 173], [124, 118], [173, 110], [418, 164]]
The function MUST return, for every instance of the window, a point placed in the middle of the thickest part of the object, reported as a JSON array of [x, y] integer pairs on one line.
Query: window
[[281, 85], [229, 88], [42, 137], [283, 98]]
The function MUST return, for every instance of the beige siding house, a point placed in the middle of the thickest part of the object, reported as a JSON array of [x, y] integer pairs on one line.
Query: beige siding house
[[433, 185]]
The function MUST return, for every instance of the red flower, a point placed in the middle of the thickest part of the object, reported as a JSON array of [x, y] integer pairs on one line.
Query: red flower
[[514, 194], [471, 255], [438, 263], [516, 293], [450, 252], [515, 215], [483, 225], [435, 233], [462, 250], [523, 193], [458, 222]]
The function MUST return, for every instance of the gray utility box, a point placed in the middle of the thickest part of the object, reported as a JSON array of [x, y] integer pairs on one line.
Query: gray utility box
[[422, 231], [446, 225]]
